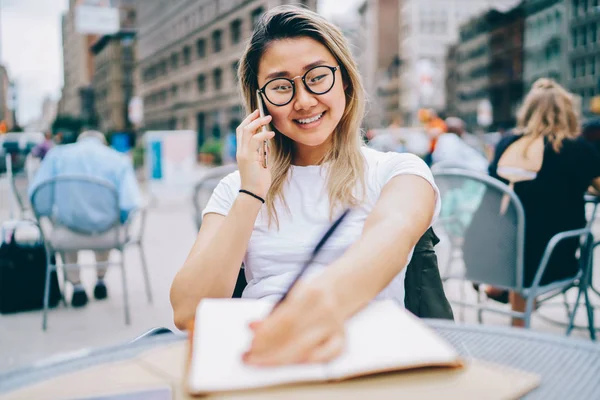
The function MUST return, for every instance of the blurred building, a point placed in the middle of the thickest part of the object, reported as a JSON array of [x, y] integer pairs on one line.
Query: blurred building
[[427, 28], [113, 80], [546, 41], [584, 51], [78, 98], [488, 67], [7, 120], [47, 116], [78, 66], [188, 54], [451, 83], [506, 67], [379, 60]]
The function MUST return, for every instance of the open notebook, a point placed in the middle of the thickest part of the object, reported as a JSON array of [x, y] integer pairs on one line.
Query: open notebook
[[382, 337]]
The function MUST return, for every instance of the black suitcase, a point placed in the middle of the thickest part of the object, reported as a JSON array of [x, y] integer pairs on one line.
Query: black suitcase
[[22, 277]]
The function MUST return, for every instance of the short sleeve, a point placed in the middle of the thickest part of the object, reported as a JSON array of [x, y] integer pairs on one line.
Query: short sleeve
[[394, 164], [224, 195]]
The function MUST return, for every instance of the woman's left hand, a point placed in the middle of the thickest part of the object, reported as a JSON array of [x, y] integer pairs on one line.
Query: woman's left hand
[[307, 327]]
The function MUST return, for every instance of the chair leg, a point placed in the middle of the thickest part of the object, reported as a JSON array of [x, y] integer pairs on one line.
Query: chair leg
[[574, 312], [479, 310], [64, 280], [529, 311], [146, 275], [49, 268], [590, 313], [125, 293], [566, 304]]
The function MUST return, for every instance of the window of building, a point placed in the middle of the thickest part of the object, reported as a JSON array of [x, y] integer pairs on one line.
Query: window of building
[[187, 55], [574, 69], [201, 48], [592, 68], [218, 78], [201, 82], [593, 33], [216, 39], [174, 60], [234, 71], [255, 16], [574, 38], [174, 91], [575, 7], [236, 31], [584, 36]]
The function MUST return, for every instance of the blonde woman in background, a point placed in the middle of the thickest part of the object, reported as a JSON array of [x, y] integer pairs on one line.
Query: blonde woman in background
[[551, 167], [310, 84]]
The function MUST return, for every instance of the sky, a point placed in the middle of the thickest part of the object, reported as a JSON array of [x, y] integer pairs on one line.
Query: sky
[[31, 47]]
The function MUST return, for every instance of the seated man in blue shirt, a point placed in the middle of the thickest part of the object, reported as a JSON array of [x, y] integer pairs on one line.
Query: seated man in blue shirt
[[88, 157]]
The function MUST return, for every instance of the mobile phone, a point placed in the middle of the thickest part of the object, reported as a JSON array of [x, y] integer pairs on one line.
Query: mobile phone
[[264, 128]]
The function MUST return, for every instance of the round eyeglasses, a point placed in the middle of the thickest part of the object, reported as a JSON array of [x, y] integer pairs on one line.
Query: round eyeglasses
[[318, 80]]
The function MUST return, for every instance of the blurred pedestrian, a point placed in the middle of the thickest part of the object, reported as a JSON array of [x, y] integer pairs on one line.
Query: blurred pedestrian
[[41, 149], [452, 150], [550, 167], [591, 132], [434, 127], [90, 157]]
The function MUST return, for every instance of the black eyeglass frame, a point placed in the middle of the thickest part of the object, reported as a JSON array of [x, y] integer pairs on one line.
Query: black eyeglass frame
[[293, 82]]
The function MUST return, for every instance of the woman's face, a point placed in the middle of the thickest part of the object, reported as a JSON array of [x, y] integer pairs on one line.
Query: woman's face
[[309, 119]]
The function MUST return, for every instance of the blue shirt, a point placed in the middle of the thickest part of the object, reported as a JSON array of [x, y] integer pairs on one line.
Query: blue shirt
[[90, 157]]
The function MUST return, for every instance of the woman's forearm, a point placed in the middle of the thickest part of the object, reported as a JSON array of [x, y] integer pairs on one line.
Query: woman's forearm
[[399, 219], [212, 267], [369, 265]]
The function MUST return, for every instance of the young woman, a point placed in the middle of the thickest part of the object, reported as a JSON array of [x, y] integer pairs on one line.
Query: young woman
[[552, 167], [317, 166]]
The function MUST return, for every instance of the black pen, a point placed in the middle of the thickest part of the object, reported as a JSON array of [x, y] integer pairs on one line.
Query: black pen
[[314, 253]]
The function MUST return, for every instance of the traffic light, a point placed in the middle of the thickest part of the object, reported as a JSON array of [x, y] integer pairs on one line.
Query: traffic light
[[3, 127]]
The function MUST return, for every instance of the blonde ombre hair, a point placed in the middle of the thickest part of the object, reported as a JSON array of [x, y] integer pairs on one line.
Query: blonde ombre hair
[[548, 110], [346, 162]]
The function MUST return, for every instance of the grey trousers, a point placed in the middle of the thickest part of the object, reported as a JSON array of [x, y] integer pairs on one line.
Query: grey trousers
[[73, 274]]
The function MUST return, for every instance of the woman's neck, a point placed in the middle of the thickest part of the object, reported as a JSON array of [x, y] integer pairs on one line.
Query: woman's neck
[[310, 155]]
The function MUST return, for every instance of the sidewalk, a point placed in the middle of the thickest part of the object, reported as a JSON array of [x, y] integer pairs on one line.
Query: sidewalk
[[169, 234]]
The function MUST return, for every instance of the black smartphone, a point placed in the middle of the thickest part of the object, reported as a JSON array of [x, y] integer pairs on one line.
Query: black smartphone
[[261, 110]]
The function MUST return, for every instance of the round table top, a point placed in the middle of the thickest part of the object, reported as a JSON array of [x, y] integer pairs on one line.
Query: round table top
[[569, 368]]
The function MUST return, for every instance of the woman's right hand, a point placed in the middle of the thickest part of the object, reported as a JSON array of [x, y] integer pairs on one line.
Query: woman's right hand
[[255, 178]]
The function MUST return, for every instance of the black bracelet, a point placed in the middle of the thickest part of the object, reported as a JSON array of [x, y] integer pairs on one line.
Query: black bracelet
[[253, 195]]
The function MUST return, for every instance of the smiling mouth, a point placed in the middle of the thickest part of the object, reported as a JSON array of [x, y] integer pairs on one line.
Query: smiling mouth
[[306, 121]]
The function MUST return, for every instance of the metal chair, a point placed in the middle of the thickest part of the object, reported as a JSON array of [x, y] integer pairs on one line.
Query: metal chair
[[63, 204], [495, 246], [202, 193], [205, 187]]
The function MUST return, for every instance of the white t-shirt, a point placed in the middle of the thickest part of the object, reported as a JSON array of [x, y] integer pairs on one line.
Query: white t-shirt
[[274, 257]]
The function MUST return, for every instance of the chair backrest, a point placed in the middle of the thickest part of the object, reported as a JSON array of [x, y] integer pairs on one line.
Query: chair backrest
[[204, 188], [81, 204], [493, 240]]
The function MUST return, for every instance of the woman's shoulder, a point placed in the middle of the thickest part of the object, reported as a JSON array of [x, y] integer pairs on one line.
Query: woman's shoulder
[[230, 182], [382, 166]]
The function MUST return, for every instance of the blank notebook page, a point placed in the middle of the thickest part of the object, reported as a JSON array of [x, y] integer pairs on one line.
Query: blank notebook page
[[387, 337], [222, 336]]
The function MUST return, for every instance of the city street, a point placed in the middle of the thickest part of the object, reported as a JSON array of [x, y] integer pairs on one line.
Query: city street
[[169, 233]]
